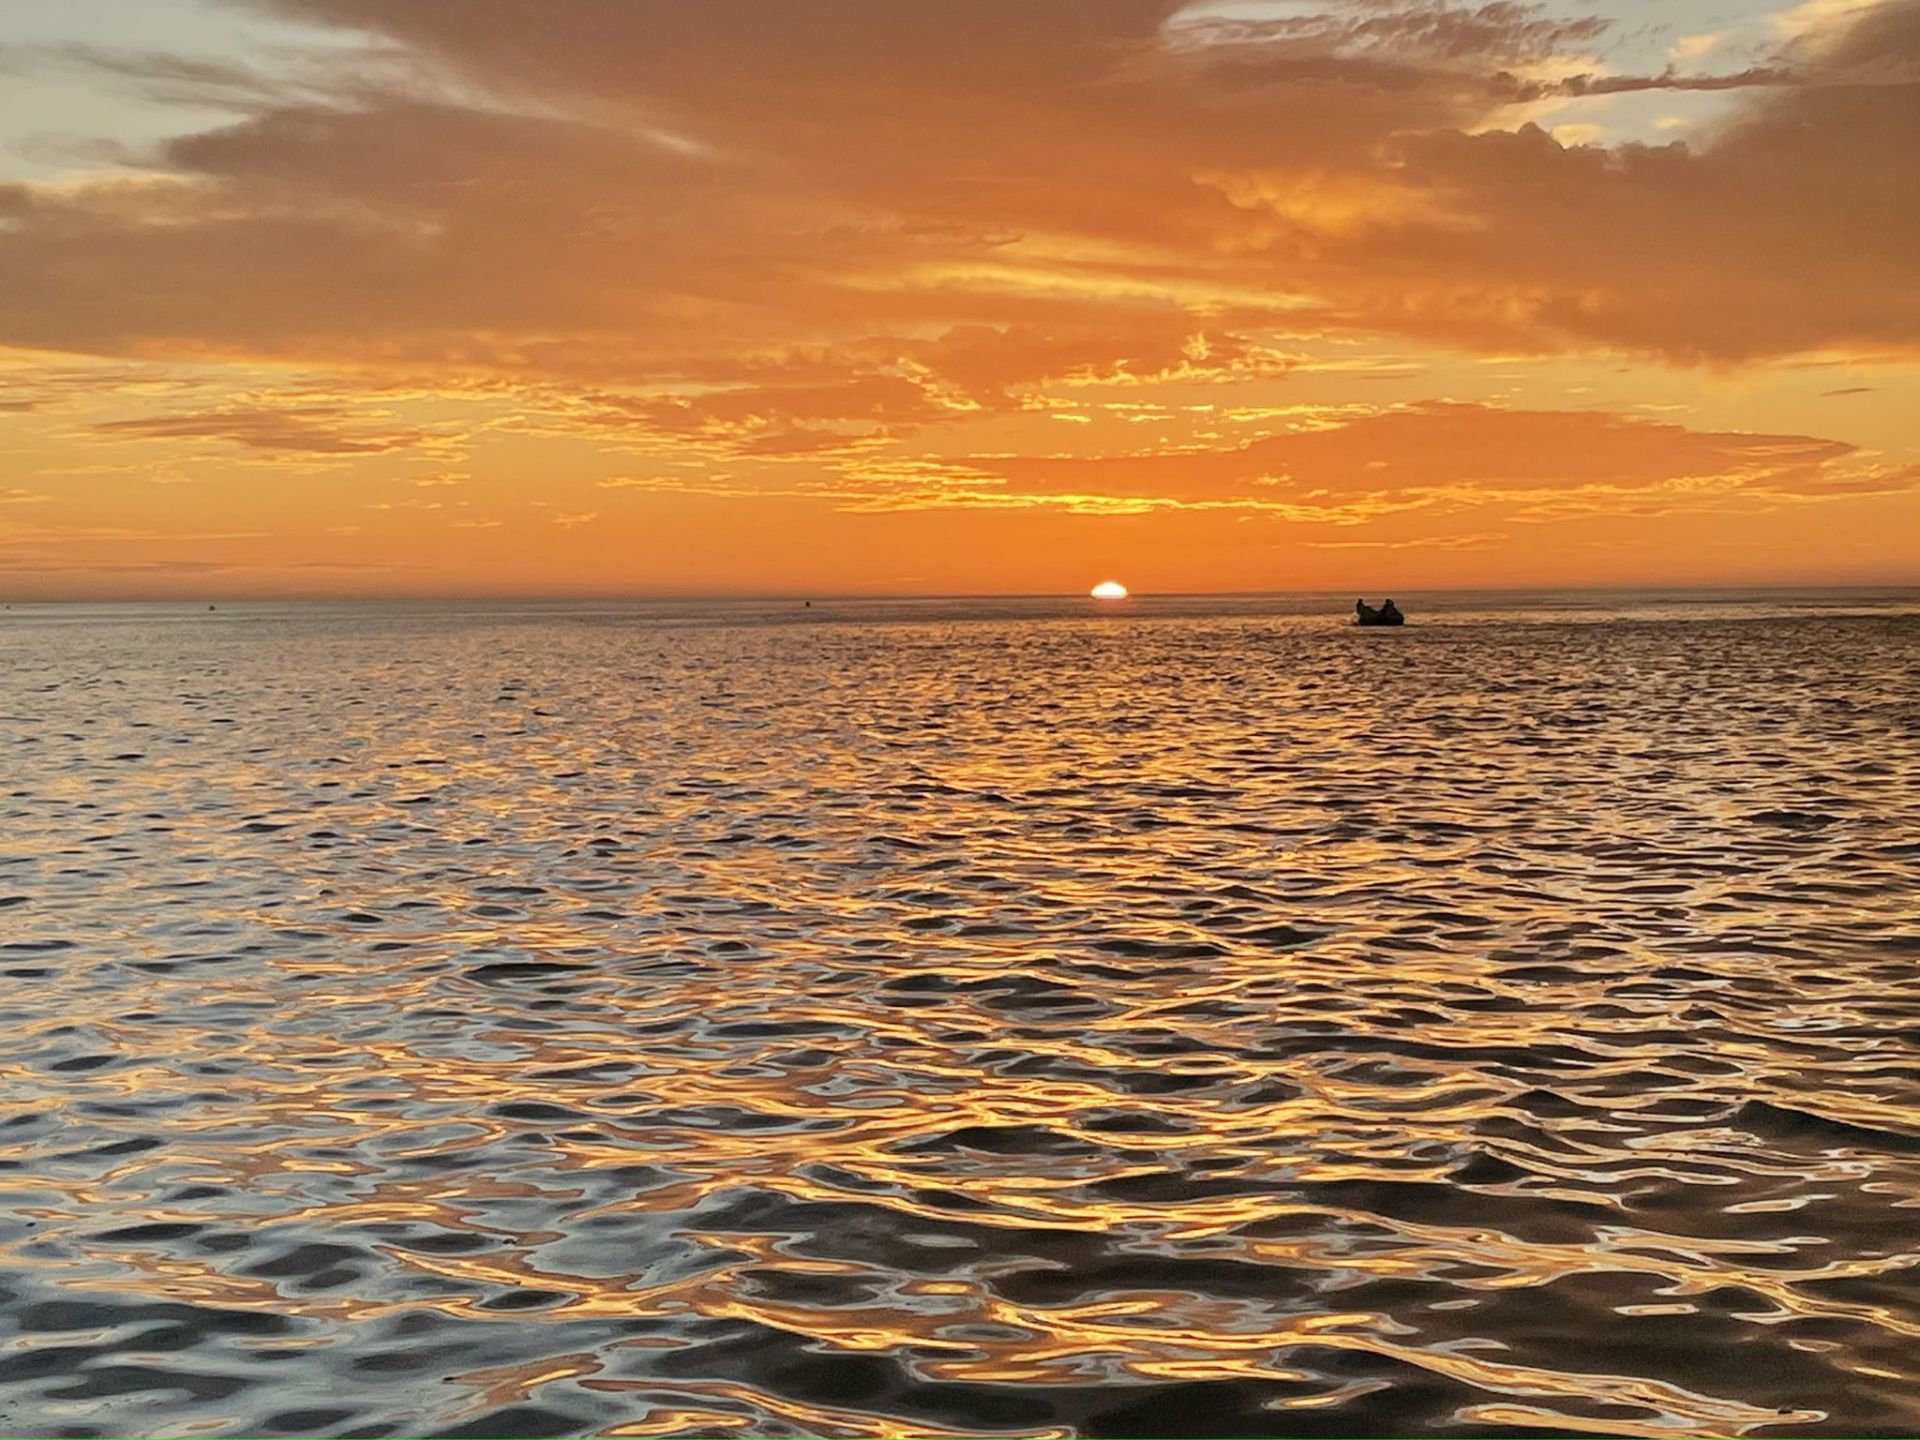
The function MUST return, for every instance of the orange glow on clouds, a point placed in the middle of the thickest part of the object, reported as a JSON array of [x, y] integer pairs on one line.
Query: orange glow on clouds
[[861, 297]]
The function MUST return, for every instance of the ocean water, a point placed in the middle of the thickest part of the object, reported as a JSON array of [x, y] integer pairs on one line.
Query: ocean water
[[1189, 1017]]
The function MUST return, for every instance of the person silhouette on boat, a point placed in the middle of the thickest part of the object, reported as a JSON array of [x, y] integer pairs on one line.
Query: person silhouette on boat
[[1387, 614]]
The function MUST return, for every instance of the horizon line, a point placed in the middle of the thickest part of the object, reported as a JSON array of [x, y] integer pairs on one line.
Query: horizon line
[[843, 597]]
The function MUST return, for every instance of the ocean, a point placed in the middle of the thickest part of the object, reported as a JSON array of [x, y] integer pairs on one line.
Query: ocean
[[1181, 1017]]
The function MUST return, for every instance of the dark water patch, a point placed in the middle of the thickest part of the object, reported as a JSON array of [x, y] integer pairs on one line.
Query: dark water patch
[[1796, 1129], [524, 970]]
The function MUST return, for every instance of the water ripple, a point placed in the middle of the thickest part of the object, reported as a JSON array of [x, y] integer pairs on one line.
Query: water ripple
[[543, 1025]]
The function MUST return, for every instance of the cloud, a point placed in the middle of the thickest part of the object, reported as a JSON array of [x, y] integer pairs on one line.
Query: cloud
[[299, 429], [14, 533], [649, 191], [1450, 455], [1787, 234], [1472, 540], [735, 231], [1346, 469]]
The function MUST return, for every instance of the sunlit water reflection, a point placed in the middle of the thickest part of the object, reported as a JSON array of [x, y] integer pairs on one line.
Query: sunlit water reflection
[[1201, 1020]]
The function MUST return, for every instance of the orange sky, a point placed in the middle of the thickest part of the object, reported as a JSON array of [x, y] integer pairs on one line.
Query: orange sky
[[384, 297]]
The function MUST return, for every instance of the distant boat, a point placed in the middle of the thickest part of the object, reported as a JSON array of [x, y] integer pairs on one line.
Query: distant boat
[[1387, 614]]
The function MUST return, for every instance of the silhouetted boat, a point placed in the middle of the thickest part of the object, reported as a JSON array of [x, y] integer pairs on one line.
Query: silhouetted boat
[[1387, 614]]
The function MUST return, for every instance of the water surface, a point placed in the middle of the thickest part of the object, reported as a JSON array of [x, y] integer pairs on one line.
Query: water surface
[[1184, 1018]]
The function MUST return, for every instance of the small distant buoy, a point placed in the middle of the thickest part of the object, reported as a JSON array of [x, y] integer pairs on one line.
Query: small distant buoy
[[808, 605], [210, 607]]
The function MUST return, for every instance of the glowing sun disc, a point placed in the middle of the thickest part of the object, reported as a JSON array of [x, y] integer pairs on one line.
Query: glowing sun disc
[[1109, 590]]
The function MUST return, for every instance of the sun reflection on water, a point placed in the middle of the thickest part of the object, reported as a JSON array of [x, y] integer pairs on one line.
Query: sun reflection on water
[[668, 1031]]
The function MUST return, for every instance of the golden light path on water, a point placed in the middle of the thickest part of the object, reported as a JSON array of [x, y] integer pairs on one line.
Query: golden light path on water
[[1017, 1023]]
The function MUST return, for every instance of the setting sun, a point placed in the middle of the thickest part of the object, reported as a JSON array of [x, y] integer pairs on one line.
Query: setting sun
[[1109, 590]]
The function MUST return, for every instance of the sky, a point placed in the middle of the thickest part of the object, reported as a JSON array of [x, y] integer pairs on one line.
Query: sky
[[478, 297]]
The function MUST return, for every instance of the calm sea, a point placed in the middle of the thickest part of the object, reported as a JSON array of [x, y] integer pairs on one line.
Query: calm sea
[[1183, 1018]]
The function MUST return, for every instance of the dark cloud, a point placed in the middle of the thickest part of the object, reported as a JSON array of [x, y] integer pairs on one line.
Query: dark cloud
[[302, 430], [1576, 86]]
